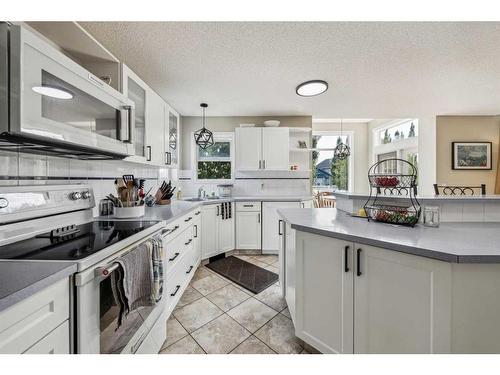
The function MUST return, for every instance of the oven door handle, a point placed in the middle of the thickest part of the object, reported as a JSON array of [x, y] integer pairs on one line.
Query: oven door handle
[[103, 272]]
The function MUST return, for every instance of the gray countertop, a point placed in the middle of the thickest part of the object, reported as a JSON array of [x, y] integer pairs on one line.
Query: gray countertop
[[430, 199], [257, 198], [20, 280], [451, 242]]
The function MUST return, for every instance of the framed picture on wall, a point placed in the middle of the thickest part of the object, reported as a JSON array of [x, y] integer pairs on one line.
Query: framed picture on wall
[[471, 155]]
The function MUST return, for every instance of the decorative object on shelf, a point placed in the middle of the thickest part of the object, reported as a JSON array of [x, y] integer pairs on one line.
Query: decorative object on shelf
[[471, 155], [271, 123], [342, 151], [302, 144], [294, 167], [393, 178], [204, 137], [172, 141], [431, 216]]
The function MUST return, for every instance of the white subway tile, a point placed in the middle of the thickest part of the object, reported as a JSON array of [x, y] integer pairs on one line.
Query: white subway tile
[[492, 212], [452, 212], [473, 212]]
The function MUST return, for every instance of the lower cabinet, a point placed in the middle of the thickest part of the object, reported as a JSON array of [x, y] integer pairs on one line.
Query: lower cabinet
[[218, 233], [353, 298], [270, 219], [248, 226], [56, 342]]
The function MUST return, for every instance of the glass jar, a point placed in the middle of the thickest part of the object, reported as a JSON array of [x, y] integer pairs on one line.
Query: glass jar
[[431, 216]]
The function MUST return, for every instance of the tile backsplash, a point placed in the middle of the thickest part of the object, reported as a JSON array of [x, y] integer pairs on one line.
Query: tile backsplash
[[27, 169]]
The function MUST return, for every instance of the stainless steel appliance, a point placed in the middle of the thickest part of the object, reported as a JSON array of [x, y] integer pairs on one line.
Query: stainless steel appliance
[[51, 104], [72, 235]]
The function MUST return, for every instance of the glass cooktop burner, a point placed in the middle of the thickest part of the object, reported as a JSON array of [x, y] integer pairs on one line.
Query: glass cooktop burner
[[77, 243]]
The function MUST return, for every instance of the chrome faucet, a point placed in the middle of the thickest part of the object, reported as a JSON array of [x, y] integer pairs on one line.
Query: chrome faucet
[[200, 190]]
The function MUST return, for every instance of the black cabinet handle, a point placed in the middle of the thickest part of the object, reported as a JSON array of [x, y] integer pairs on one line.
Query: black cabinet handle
[[346, 255], [173, 258], [176, 290], [189, 218], [195, 231], [167, 231], [148, 153], [168, 158], [280, 233], [187, 243], [217, 210], [190, 269], [197, 213], [358, 261]]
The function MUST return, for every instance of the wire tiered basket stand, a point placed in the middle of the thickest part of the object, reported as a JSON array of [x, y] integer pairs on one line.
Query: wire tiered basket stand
[[388, 179]]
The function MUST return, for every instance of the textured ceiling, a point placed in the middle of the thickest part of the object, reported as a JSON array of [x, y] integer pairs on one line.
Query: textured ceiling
[[375, 70]]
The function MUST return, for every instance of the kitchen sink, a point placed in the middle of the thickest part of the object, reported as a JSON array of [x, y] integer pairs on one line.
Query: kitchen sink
[[195, 199]]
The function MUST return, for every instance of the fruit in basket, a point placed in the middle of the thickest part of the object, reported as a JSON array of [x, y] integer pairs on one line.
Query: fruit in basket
[[387, 181], [362, 212]]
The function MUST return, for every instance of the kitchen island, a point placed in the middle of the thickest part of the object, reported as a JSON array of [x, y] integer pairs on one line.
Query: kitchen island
[[355, 286]]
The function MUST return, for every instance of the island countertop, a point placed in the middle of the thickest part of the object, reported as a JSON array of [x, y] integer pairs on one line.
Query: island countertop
[[451, 242]]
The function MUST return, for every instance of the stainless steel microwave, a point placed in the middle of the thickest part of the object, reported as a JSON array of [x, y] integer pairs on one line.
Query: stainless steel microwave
[[51, 104]]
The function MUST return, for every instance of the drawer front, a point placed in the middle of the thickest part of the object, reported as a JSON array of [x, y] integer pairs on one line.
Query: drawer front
[[173, 229], [56, 342], [248, 206], [27, 322], [176, 250], [175, 287]]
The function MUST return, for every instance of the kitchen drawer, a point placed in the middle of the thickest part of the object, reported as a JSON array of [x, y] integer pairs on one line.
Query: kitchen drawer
[[175, 250], [175, 287], [27, 322], [173, 229], [56, 342], [248, 206]]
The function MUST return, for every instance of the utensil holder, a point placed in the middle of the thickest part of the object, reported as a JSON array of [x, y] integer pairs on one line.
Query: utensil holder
[[129, 212]]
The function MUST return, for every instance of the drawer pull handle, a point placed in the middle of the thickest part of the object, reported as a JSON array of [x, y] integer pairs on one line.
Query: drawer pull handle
[[176, 290], [190, 269], [197, 213], [248, 205], [187, 243], [195, 231], [167, 231], [173, 258], [189, 218]]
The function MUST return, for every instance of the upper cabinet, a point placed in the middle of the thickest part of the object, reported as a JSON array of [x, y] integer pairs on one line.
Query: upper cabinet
[[262, 149], [156, 134], [172, 137]]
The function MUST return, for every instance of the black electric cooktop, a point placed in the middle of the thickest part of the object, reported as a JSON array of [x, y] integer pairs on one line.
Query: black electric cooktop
[[76, 243]]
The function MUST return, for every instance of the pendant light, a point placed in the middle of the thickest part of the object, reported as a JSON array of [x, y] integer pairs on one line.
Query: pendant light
[[204, 137], [342, 151]]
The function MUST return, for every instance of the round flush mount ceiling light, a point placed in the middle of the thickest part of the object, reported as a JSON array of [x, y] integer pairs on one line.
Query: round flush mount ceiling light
[[52, 92], [312, 88]]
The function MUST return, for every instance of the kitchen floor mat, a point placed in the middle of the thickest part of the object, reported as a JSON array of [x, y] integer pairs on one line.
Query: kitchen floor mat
[[248, 275]]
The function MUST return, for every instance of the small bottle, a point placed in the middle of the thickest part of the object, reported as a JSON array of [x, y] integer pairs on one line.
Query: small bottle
[[179, 194]]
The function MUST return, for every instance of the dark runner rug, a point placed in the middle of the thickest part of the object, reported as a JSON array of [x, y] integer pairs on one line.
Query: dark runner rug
[[248, 275]]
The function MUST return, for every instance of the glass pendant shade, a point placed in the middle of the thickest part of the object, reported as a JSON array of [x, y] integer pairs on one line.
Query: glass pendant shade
[[203, 137]]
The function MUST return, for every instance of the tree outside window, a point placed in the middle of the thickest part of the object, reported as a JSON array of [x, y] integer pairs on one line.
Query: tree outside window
[[214, 162]]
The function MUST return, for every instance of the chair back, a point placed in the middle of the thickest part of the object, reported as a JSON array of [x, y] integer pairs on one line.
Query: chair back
[[459, 190], [321, 200]]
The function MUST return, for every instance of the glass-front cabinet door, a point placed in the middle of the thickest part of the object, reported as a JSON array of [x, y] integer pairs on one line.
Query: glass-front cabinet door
[[135, 89], [172, 137]]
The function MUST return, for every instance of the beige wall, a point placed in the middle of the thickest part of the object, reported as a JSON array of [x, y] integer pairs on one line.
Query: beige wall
[[360, 160], [189, 124], [465, 128]]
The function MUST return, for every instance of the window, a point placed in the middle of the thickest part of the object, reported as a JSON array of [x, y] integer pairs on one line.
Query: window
[[328, 172], [215, 162], [396, 139]]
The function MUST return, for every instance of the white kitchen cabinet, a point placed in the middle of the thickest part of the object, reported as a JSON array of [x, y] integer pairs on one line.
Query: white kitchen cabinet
[[248, 149], [155, 124], [353, 298], [248, 230], [218, 234], [56, 342], [402, 303], [262, 149], [324, 293], [275, 149], [270, 225], [172, 137]]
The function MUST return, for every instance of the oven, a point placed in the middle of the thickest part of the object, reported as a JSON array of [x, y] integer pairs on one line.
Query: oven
[[97, 313], [54, 104]]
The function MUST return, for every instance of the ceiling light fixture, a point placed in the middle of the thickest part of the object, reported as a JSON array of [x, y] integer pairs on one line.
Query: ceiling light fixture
[[312, 88], [204, 137], [53, 92]]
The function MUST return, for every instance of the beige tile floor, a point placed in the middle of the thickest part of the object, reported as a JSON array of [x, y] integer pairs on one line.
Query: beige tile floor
[[214, 315]]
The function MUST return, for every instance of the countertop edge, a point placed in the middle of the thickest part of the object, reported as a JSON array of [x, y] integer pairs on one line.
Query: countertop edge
[[28, 291]]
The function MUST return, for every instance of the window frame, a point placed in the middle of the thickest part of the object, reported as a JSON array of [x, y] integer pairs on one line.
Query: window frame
[[350, 143], [218, 137]]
